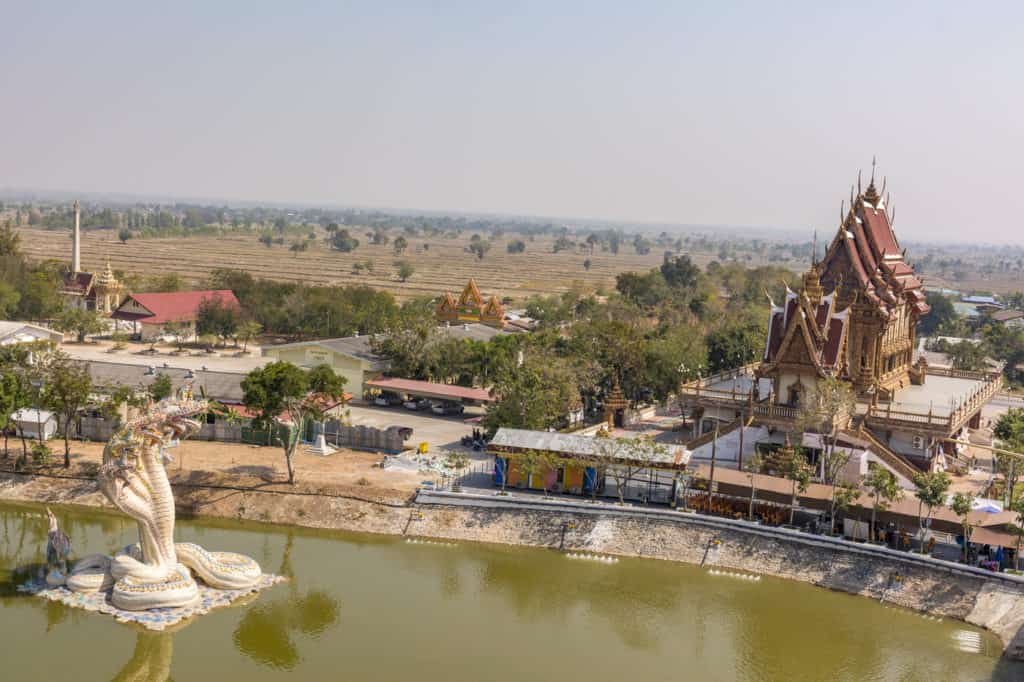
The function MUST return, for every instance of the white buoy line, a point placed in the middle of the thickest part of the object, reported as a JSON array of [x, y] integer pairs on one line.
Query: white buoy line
[[435, 543], [593, 557], [731, 574], [968, 641]]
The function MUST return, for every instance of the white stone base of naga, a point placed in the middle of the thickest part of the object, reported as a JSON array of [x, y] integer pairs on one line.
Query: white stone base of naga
[[157, 572]]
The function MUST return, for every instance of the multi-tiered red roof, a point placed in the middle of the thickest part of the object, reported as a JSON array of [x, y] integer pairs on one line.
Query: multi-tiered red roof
[[866, 246]]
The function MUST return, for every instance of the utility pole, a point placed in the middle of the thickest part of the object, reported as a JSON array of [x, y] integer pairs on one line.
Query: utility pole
[[714, 450]]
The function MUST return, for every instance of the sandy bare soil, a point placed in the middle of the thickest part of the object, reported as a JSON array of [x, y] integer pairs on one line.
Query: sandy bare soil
[[250, 466]]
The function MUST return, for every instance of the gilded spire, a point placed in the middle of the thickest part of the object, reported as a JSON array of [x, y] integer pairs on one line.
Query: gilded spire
[[812, 285], [871, 194]]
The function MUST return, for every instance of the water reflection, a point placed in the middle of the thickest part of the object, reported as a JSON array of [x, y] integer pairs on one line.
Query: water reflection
[[537, 613], [265, 632], [151, 659]]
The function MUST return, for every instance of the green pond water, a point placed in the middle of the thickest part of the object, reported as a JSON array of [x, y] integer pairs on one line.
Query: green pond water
[[361, 607]]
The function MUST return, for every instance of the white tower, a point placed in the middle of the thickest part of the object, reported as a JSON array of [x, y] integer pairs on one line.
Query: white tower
[[76, 264]]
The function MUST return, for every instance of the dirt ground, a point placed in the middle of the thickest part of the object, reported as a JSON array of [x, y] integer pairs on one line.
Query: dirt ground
[[249, 466]]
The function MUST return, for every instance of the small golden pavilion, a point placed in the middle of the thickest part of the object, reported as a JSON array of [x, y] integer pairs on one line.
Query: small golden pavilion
[[471, 306]]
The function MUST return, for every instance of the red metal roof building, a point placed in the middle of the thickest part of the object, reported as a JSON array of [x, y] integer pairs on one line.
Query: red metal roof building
[[155, 310], [428, 389]]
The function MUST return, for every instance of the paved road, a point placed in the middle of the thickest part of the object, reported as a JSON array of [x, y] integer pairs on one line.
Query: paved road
[[437, 431], [100, 352]]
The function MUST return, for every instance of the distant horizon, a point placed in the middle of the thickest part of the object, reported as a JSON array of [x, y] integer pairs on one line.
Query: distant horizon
[[791, 233], [651, 113]]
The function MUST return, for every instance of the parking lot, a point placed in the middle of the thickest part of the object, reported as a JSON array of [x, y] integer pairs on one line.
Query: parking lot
[[438, 431]]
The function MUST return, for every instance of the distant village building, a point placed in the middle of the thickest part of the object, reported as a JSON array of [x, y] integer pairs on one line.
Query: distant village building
[[1010, 318], [88, 290], [34, 423], [152, 313], [983, 302], [22, 332], [471, 307], [854, 318]]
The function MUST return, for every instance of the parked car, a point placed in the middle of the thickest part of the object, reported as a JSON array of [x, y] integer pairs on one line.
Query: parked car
[[415, 404], [388, 399], [447, 408]]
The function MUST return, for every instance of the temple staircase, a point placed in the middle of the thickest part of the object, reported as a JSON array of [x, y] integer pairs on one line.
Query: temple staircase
[[710, 435], [897, 463]]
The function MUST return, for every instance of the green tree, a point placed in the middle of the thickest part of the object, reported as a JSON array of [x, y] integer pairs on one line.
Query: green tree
[[218, 317], [13, 397], [79, 321], [969, 356], [883, 489], [160, 387], [124, 234], [400, 245], [962, 506], [9, 299], [247, 331], [281, 388], [680, 272], [826, 409], [790, 463], [536, 396], [530, 463], [516, 246], [941, 316], [66, 390], [342, 240], [586, 264], [405, 269], [10, 240], [480, 249], [179, 331], [1009, 430], [734, 345], [1017, 528], [930, 490], [624, 458], [843, 495]]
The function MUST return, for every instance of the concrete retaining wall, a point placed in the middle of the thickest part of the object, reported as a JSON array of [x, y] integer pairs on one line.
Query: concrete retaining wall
[[990, 600]]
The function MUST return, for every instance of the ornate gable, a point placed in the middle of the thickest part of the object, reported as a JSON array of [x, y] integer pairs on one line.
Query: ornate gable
[[447, 310], [471, 296]]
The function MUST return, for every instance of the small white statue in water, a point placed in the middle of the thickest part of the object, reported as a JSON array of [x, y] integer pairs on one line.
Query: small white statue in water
[[154, 573]]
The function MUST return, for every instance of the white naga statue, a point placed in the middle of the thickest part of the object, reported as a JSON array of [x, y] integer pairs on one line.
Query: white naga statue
[[156, 572]]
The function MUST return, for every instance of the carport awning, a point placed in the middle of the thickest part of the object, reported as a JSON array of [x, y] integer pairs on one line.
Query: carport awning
[[428, 389]]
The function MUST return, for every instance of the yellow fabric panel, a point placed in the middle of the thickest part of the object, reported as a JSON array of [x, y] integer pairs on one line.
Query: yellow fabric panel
[[573, 478], [514, 476]]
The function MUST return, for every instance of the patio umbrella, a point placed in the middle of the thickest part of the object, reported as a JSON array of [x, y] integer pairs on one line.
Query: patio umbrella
[[984, 505]]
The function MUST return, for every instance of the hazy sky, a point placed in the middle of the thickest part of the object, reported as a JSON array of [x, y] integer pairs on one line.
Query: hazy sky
[[712, 113]]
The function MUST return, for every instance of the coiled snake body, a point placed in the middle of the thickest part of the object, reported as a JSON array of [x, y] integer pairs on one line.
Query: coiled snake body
[[156, 572]]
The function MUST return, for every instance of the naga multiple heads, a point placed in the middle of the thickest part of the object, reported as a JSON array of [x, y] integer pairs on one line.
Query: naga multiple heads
[[156, 572]]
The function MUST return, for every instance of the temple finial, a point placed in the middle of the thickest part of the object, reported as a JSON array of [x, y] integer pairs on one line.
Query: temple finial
[[858, 183], [873, 163], [814, 249]]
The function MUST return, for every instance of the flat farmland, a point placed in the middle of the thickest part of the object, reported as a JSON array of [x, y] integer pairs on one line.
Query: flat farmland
[[440, 264]]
